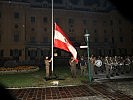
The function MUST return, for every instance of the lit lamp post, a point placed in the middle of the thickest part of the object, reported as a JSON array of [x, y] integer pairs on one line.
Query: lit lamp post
[[87, 40]]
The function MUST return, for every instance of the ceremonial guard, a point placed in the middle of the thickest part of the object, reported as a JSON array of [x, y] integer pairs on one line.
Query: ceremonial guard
[[83, 66], [115, 65], [131, 58], [121, 65], [47, 67], [102, 68], [107, 66], [127, 65], [92, 63], [73, 63]]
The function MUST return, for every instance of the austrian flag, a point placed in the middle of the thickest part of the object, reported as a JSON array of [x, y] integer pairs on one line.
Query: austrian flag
[[61, 41]]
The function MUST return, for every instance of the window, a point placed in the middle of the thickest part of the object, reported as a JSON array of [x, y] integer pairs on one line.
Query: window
[[95, 31], [45, 29], [131, 30], [58, 1], [16, 36], [0, 14], [32, 29], [84, 21], [120, 51], [11, 52], [105, 39], [44, 52], [132, 39], [86, 2], [120, 22], [16, 25], [15, 53], [104, 22], [45, 20], [39, 0], [45, 39], [0, 37], [32, 53], [112, 30], [20, 52], [96, 40], [16, 15], [70, 21], [105, 31], [33, 39], [113, 40], [32, 19], [120, 29], [74, 1], [1, 53], [121, 39], [111, 22], [71, 30], [94, 22]]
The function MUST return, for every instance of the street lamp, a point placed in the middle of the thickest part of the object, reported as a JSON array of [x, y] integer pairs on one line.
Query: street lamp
[[87, 40]]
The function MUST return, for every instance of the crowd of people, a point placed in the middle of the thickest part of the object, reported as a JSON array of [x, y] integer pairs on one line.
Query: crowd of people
[[111, 66]]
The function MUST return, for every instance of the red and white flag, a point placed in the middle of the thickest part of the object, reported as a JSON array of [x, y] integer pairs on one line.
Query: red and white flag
[[61, 41]]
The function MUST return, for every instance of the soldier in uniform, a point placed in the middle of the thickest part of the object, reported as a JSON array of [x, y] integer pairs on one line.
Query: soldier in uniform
[[121, 65], [115, 68], [107, 66], [111, 65], [47, 67], [131, 58], [83, 66], [73, 63], [92, 65], [127, 64]]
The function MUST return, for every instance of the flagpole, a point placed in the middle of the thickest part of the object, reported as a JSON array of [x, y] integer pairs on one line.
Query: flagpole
[[52, 40]]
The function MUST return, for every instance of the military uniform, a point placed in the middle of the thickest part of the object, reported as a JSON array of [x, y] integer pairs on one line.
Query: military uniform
[[83, 67], [47, 67], [107, 66], [127, 65], [73, 63], [92, 69]]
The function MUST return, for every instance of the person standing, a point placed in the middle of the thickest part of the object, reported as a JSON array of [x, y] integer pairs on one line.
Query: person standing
[[73, 63], [92, 64], [83, 66], [107, 66], [47, 67]]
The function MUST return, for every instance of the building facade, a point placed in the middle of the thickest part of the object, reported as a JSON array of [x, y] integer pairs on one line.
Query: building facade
[[26, 28]]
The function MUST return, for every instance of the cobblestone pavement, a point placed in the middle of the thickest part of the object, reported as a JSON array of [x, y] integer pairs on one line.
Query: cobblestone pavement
[[94, 91], [105, 89], [54, 93], [126, 87]]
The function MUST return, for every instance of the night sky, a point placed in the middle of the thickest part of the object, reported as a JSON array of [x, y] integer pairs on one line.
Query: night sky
[[125, 7]]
